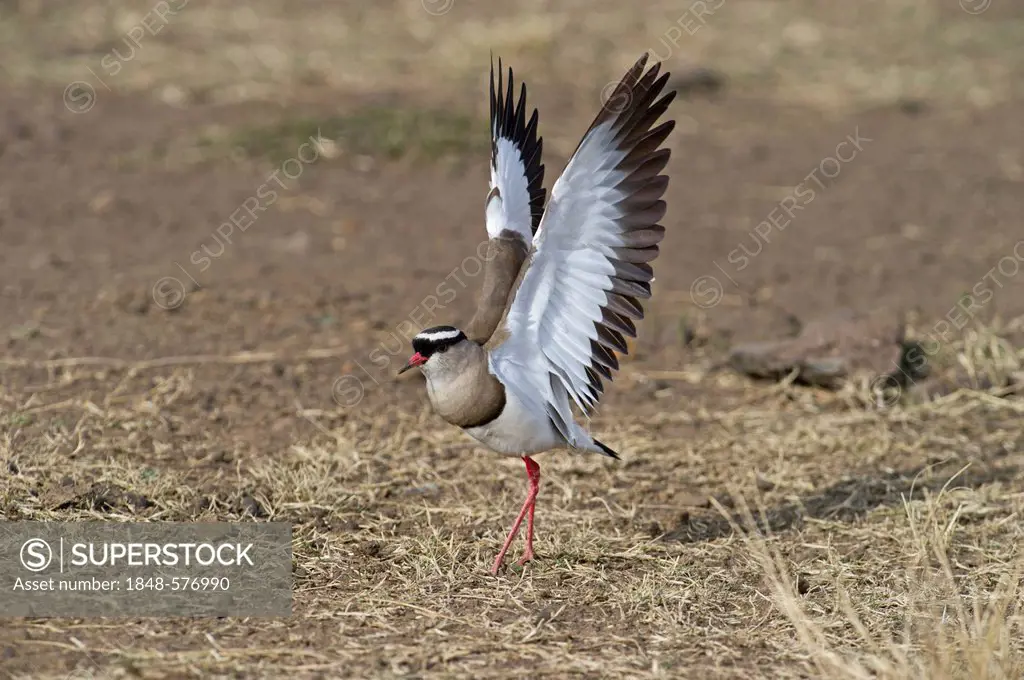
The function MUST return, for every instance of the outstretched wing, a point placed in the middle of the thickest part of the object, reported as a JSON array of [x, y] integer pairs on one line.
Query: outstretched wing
[[592, 253], [516, 200], [514, 205]]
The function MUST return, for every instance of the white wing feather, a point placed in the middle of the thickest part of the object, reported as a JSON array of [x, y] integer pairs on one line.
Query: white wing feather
[[583, 281], [516, 199]]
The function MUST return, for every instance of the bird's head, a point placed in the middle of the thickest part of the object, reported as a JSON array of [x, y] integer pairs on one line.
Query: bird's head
[[436, 348]]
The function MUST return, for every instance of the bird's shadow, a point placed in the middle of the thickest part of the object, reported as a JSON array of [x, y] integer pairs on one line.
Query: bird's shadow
[[848, 500]]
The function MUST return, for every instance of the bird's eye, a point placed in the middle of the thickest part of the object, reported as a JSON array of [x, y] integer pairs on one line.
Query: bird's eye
[[442, 349]]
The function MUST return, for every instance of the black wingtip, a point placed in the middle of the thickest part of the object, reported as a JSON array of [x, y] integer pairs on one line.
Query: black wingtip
[[509, 121], [606, 450]]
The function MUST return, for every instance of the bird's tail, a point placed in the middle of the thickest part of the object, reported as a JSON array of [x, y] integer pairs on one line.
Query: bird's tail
[[582, 441], [605, 450]]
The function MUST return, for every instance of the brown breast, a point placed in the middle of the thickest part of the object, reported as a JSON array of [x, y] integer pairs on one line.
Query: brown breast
[[470, 397]]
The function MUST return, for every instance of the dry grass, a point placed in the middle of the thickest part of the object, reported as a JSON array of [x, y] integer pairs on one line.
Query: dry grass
[[889, 544], [954, 626]]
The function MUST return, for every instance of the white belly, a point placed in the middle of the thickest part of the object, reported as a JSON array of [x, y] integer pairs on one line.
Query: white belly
[[517, 431]]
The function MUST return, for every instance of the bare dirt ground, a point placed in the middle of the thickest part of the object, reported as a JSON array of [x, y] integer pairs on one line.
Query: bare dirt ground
[[153, 368]]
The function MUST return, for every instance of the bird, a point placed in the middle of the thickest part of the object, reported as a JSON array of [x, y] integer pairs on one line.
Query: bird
[[563, 282]]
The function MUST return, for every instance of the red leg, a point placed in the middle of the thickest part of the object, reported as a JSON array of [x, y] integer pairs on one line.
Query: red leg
[[508, 539], [533, 473]]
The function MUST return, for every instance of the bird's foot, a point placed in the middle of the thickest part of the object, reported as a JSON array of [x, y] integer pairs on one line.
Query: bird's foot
[[527, 557]]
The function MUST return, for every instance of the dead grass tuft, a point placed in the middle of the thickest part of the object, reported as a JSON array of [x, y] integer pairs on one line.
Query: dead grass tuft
[[957, 623]]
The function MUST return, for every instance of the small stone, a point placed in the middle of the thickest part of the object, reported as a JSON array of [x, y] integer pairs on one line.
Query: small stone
[[373, 549], [172, 95], [250, 506], [826, 350], [913, 107], [137, 501], [101, 202], [199, 505]]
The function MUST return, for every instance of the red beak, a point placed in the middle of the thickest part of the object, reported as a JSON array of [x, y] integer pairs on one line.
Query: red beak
[[415, 360]]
